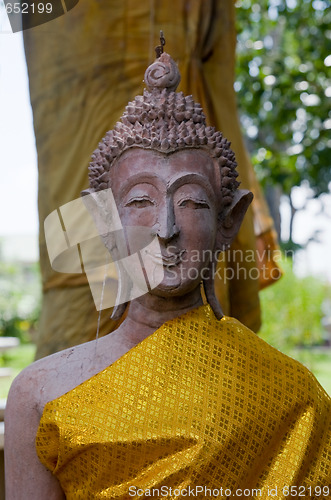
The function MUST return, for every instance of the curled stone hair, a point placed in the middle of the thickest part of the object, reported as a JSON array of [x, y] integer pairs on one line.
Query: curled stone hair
[[166, 121]]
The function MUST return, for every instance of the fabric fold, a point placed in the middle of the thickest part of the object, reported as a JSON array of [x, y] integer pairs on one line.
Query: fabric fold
[[201, 402]]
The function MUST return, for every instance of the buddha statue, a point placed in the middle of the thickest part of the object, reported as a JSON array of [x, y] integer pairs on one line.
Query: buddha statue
[[179, 399], [160, 132]]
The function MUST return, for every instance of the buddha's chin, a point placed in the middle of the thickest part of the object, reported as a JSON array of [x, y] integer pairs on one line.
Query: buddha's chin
[[174, 287]]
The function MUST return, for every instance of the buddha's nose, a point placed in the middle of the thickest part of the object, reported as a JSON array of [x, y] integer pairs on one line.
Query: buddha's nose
[[165, 227]]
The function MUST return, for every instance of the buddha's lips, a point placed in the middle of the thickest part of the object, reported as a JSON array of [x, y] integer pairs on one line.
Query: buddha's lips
[[169, 260]]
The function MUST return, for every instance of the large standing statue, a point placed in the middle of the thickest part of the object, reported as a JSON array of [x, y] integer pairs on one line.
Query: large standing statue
[[179, 399], [83, 69]]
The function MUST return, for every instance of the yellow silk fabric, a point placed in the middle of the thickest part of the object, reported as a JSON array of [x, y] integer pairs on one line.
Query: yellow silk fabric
[[200, 402]]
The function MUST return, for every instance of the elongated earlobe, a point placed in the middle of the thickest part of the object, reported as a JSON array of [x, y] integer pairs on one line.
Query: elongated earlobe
[[230, 220], [209, 289], [123, 292]]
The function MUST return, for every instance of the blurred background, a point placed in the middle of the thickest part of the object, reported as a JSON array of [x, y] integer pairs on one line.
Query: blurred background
[[283, 89]]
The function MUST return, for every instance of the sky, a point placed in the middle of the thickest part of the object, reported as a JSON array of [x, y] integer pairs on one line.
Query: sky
[[18, 168], [18, 158]]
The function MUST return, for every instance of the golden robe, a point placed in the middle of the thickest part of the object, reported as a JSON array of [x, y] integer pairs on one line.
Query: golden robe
[[202, 407]]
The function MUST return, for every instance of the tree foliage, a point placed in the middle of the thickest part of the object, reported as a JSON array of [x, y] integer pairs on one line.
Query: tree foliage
[[284, 89], [19, 299]]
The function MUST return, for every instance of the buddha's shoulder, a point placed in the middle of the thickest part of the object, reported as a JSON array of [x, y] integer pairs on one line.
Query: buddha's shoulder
[[52, 376], [267, 365], [253, 347]]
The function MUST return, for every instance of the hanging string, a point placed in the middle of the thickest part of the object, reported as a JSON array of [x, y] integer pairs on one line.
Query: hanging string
[[101, 301]]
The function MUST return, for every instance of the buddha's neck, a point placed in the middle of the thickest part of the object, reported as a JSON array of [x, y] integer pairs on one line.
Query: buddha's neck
[[147, 313]]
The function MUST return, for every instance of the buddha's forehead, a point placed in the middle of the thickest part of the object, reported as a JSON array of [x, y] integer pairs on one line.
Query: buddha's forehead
[[141, 164]]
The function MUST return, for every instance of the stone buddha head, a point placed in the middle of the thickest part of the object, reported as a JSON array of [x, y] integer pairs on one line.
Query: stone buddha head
[[171, 173]]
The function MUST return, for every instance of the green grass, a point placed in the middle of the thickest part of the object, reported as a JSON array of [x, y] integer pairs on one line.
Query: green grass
[[16, 359], [291, 321]]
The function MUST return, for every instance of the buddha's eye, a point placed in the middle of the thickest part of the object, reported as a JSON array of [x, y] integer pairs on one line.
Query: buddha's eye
[[193, 204], [139, 202]]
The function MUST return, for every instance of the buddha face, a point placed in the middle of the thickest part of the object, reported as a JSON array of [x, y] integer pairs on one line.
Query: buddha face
[[176, 197]]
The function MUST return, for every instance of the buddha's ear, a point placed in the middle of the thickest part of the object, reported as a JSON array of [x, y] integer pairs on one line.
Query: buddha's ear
[[102, 208], [93, 205], [230, 220]]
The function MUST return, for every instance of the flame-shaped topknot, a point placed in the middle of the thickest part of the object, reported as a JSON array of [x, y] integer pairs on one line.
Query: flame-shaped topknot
[[162, 74], [166, 121]]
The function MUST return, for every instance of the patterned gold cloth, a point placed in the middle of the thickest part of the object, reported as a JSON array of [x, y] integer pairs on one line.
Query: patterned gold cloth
[[200, 403]]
